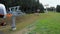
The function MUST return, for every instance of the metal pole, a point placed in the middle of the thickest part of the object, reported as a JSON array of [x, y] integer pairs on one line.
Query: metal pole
[[13, 26], [46, 9]]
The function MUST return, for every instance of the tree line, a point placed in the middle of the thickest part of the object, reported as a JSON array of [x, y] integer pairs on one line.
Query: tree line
[[28, 6]]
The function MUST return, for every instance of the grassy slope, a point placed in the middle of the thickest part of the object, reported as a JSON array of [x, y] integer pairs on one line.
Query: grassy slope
[[48, 24], [21, 22]]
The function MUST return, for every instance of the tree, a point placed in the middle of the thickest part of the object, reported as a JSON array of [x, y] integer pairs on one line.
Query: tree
[[41, 8], [58, 8], [51, 9], [28, 6]]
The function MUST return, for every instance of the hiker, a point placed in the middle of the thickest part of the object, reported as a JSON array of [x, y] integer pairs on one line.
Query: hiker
[[2, 14]]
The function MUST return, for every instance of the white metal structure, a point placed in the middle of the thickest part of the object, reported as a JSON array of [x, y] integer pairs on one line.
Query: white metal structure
[[14, 11], [47, 5]]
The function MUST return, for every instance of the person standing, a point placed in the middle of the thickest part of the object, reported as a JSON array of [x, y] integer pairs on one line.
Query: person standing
[[2, 14]]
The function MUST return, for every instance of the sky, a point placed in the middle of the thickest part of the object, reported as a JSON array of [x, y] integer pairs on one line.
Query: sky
[[50, 2]]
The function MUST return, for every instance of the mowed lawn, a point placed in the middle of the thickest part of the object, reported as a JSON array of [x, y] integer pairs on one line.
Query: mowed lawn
[[48, 24]]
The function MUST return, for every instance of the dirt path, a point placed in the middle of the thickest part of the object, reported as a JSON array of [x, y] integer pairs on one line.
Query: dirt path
[[29, 28], [1, 32], [22, 22], [26, 30]]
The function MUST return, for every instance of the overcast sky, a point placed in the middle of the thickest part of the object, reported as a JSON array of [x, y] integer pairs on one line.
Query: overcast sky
[[50, 2]]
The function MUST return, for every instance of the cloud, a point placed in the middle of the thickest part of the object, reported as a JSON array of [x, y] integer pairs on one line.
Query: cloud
[[50, 2]]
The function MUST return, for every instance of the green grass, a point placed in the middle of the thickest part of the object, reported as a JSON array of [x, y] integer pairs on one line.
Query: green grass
[[48, 24], [21, 23]]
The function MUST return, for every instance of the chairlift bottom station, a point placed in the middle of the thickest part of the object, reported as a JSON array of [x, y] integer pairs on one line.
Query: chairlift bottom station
[[13, 12]]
